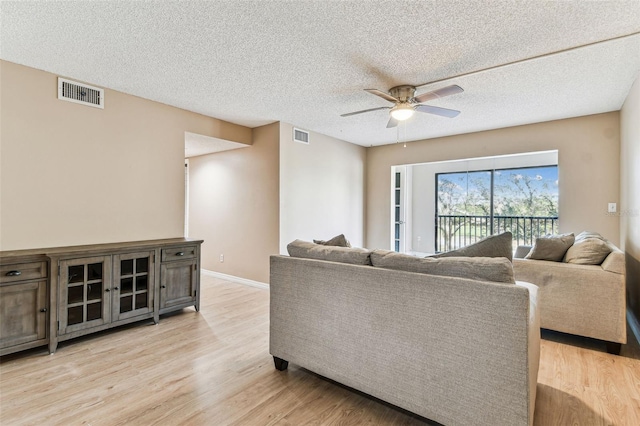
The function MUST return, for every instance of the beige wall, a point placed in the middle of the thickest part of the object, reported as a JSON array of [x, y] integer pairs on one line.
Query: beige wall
[[321, 189], [630, 194], [588, 167], [72, 174], [233, 206]]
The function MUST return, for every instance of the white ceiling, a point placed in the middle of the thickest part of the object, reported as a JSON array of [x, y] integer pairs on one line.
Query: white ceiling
[[307, 62]]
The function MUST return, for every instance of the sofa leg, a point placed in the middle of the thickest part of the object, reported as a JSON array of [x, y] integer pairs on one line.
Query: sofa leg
[[614, 348], [280, 363]]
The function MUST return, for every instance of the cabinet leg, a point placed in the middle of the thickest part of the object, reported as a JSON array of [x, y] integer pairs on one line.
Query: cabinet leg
[[53, 345]]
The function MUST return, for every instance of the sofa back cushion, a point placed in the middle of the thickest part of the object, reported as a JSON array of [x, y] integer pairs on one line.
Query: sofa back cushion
[[338, 240], [587, 251], [500, 245], [551, 247], [308, 250], [495, 269]]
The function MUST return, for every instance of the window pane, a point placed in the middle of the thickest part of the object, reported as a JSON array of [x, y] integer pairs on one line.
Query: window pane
[[74, 315], [126, 304], [75, 294], [76, 274], [526, 192], [94, 311], [141, 300], [94, 271], [94, 291], [464, 199], [464, 194], [141, 283], [142, 265], [126, 267]]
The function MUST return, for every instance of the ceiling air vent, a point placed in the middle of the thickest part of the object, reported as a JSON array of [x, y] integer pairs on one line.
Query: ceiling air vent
[[300, 136], [80, 93]]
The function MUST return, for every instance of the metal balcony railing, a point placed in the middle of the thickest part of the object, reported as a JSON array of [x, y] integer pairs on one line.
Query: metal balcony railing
[[453, 231]]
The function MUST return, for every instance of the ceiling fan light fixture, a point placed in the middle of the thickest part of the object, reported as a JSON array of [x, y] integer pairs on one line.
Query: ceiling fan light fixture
[[402, 112]]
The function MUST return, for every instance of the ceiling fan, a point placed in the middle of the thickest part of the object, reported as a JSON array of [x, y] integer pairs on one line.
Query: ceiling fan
[[406, 103]]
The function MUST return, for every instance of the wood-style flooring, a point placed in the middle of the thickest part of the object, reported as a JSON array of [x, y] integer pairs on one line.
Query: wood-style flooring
[[214, 368]]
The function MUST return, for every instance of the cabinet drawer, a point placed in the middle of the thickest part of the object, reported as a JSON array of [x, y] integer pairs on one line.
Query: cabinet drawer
[[178, 253], [22, 271]]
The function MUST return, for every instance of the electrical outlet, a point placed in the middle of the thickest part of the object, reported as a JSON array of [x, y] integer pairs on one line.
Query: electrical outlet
[[612, 207], [221, 258]]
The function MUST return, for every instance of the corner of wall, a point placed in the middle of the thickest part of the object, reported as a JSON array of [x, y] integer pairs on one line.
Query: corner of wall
[[629, 209]]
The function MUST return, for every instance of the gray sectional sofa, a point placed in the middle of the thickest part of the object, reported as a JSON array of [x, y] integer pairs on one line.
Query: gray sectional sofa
[[453, 349], [577, 298]]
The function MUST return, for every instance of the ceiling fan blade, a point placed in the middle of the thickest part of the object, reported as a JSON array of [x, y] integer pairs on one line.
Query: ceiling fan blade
[[392, 123], [440, 93], [444, 112], [364, 110], [383, 95]]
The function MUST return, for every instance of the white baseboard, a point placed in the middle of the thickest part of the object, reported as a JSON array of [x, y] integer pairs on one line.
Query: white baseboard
[[634, 325], [235, 279]]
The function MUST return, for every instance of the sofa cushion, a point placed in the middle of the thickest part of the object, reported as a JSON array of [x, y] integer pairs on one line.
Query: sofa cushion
[[496, 269], [588, 234], [500, 245], [551, 247], [588, 251], [338, 241], [308, 250]]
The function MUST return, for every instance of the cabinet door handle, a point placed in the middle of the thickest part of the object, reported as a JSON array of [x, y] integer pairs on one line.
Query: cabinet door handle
[[43, 310], [115, 288], [107, 290], [180, 253], [164, 286], [14, 273]]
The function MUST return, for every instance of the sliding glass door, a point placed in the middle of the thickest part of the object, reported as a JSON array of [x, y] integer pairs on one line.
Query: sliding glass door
[[475, 204]]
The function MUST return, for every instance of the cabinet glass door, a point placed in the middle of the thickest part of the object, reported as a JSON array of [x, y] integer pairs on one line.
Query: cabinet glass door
[[133, 275], [84, 298]]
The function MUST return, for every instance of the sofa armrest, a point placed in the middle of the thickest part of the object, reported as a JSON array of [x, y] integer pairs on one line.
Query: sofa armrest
[[534, 340], [521, 252], [615, 262]]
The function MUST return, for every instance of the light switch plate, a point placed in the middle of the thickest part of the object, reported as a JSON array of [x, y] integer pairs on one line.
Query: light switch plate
[[612, 207]]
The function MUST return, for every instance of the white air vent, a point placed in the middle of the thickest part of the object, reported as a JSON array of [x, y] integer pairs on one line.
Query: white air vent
[[80, 93], [300, 136]]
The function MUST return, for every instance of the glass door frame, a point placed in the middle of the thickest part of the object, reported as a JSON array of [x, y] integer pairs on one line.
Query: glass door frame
[[116, 315], [400, 213], [64, 327]]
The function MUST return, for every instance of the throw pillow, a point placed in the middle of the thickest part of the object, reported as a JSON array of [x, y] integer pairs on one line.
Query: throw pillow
[[588, 251], [308, 250], [588, 234], [475, 268], [499, 245], [551, 247], [338, 240]]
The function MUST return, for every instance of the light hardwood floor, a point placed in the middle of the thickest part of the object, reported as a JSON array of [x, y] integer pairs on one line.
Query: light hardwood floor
[[214, 368]]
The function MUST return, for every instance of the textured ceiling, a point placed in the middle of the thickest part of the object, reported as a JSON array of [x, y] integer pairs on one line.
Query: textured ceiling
[[305, 63]]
